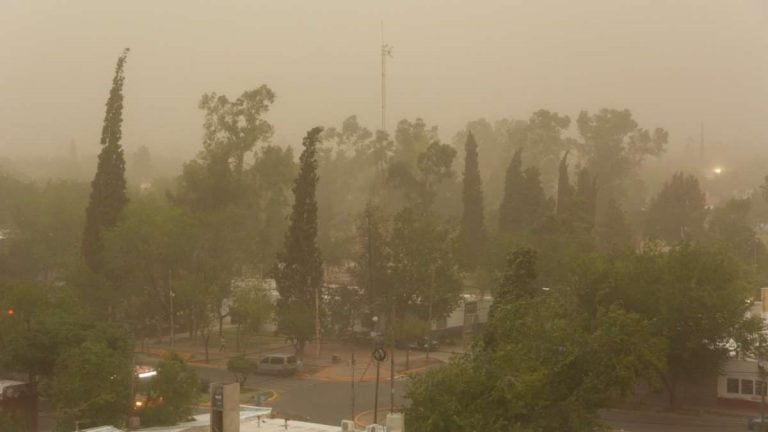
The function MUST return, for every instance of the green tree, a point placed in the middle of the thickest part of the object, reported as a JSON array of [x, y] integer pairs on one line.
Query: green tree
[[151, 247], [543, 142], [371, 271], [215, 179], [518, 282], [274, 170], [299, 268], [614, 147], [80, 364], [241, 366], [172, 393], [498, 139], [612, 230], [423, 266], [585, 200], [412, 139], [108, 197], [565, 191], [420, 182], [730, 224], [351, 164], [524, 204], [509, 215], [472, 221], [92, 382], [695, 296], [251, 307], [678, 212], [9, 423], [43, 228], [550, 369]]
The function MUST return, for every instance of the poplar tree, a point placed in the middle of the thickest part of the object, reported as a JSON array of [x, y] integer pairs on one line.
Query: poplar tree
[[585, 200], [299, 269], [472, 222], [565, 190], [108, 197], [509, 218], [524, 203]]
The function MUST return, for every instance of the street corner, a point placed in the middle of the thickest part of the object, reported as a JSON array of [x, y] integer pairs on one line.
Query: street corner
[[365, 418], [345, 373], [421, 365]]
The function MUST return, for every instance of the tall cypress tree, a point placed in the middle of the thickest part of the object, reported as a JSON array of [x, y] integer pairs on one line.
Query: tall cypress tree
[[564, 189], [299, 270], [509, 216], [585, 200], [472, 222], [534, 205], [108, 197]]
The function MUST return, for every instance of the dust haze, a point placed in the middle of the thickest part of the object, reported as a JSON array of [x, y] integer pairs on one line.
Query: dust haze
[[674, 64]]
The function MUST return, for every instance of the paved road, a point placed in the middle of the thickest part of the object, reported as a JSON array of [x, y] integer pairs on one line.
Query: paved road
[[326, 402]]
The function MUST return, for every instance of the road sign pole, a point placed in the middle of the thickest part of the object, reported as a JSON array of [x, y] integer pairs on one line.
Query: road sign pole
[[379, 354], [376, 396]]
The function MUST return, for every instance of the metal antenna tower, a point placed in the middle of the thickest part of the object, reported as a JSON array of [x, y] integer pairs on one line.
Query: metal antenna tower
[[386, 51]]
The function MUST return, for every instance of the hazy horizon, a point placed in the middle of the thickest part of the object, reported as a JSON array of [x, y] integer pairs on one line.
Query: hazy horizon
[[676, 65]]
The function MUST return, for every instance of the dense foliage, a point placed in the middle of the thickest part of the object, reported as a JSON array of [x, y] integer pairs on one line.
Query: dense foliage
[[108, 196]]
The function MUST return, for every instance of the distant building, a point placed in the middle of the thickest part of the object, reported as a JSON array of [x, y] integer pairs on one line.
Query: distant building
[[741, 383]]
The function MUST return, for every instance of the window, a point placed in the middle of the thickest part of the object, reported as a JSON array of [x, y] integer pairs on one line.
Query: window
[[470, 307], [276, 360], [759, 387], [732, 385], [747, 387], [265, 360], [291, 360]]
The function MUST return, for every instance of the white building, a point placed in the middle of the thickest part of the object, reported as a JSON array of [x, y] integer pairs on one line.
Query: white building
[[740, 384], [258, 419]]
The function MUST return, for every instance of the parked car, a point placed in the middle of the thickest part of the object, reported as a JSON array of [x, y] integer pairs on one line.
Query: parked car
[[279, 364], [424, 344], [758, 424]]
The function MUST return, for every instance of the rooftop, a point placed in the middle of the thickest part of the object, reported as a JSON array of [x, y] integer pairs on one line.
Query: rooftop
[[252, 419]]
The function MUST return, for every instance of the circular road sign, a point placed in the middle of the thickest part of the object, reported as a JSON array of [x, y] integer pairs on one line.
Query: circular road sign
[[379, 354]]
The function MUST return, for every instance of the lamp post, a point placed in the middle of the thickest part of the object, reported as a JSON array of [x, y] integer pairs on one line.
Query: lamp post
[[379, 358]]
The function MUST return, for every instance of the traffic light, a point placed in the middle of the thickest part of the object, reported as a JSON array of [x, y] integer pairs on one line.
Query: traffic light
[[10, 312]]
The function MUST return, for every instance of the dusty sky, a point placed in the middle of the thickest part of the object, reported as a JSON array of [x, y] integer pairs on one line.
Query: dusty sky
[[676, 64]]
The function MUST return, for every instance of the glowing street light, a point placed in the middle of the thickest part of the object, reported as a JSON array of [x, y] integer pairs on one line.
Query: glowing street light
[[717, 170]]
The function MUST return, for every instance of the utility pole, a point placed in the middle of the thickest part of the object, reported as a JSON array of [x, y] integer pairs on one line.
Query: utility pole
[[386, 51], [170, 303], [317, 322], [761, 375], [392, 360], [353, 386]]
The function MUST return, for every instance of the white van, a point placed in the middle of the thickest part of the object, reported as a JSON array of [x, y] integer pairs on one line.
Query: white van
[[279, 364]]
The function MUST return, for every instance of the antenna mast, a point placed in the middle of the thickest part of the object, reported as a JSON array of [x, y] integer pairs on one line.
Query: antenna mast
[[386, 51]]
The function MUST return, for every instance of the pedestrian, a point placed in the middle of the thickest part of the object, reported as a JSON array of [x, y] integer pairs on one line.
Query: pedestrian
[[223, 345]]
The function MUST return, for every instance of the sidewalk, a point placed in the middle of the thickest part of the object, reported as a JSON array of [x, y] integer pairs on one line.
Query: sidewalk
[[364, 368]]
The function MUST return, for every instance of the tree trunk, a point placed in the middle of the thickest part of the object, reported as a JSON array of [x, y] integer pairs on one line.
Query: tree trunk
[[206, 340], [237, 338], [299, 347], [221, 325], [407, 358], [670, 384]]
